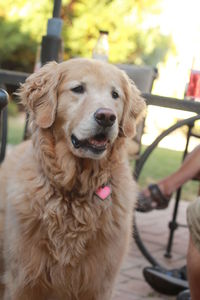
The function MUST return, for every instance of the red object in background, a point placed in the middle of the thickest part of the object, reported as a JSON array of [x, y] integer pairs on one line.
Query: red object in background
[[194, 85]]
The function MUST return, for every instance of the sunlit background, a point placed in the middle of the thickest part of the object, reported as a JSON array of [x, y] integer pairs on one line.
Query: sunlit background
[[159, 33], [180, 20]]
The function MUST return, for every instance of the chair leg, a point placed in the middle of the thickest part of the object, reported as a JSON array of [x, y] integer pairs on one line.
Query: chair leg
[[173, 225]]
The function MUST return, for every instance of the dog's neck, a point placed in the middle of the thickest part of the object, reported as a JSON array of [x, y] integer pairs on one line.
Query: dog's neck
[[68, 173]]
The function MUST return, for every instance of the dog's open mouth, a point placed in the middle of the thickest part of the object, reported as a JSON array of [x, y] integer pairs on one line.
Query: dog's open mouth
[[96, 144]]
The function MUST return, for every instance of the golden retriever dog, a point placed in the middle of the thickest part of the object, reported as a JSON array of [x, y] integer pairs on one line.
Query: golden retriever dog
[[67, 195]]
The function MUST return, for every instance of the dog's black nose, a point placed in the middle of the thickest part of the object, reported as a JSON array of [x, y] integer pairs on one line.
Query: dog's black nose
[[105, 117]]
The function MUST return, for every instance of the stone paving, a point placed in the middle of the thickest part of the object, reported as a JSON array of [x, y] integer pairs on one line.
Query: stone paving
[[154, 231]]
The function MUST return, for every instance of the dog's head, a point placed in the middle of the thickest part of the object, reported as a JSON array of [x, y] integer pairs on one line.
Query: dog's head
[[88, 103]]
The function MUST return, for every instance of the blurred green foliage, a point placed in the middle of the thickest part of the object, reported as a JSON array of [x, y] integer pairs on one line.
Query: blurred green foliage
[[134, 36], [17, 49]]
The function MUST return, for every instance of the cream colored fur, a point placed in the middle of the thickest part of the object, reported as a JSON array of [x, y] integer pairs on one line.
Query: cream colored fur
[[58, 240]]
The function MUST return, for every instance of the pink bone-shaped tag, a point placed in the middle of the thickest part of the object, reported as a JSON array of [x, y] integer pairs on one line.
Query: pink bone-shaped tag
[[103, 192]]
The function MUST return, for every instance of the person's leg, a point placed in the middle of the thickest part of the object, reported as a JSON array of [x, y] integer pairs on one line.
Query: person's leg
[[193, 270], [193, 254], [189, 168]]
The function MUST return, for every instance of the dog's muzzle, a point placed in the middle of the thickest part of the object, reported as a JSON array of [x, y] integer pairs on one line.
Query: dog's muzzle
[[97, 144]]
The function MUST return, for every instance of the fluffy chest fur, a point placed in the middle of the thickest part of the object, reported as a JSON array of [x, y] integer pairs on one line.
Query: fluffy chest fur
[[70, 220]]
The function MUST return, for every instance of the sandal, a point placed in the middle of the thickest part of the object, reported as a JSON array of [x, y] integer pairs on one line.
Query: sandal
[[185, 295], [168, 282], [156, 200]]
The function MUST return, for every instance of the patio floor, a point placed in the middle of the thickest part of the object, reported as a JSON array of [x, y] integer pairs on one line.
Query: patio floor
[[154, 230]]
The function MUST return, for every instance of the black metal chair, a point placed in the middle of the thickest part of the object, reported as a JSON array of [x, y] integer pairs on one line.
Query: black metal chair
[[159, 277], [189, 123], [173, 224], [11, 78]]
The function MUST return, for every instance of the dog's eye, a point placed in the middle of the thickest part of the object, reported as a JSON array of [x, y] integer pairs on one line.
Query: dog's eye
[[115, 94], [78, 89]]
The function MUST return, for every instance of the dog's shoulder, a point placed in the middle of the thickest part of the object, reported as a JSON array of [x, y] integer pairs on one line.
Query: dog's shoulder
[[17, 172]]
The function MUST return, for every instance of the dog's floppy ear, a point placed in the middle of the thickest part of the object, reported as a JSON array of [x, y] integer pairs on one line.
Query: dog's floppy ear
[[39, 94], [134, 108]]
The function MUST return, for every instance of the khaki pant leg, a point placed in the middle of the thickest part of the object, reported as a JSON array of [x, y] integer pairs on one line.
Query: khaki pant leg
[[193, 219]]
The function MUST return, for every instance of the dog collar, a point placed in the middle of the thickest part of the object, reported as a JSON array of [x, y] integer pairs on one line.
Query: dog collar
[[103, 192]]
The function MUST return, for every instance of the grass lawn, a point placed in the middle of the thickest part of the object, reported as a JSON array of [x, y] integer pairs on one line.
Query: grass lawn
[[16, 129], [161, 162]]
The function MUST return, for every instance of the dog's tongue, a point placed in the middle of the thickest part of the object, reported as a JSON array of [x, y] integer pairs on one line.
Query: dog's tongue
[[98, 143]]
